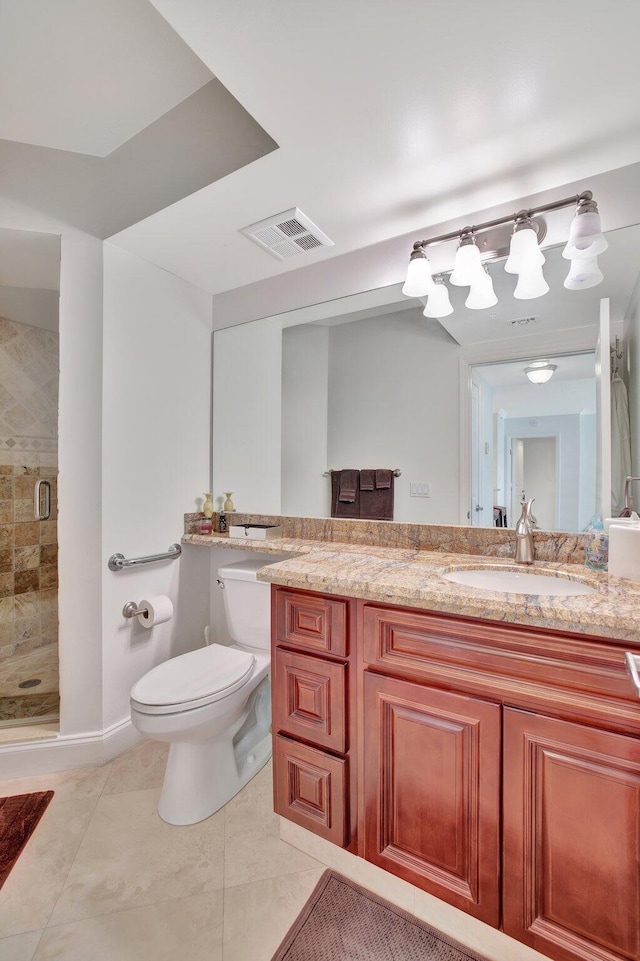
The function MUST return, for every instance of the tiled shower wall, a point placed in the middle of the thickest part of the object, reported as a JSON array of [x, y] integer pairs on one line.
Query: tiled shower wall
[[28, 451], [28, 562]]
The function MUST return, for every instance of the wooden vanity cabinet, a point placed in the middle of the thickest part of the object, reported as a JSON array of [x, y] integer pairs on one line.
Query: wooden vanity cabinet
[[498, 767], [313, 751]]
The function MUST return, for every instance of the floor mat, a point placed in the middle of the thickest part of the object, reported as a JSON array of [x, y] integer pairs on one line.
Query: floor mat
[[19, 816]]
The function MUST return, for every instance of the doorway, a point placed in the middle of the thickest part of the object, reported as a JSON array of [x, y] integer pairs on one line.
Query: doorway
[[534, 466]]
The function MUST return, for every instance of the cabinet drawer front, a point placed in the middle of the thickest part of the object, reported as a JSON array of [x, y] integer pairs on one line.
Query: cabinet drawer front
[[309, 699], [571, 838], [311, 789], [432, 783], [312, 623]]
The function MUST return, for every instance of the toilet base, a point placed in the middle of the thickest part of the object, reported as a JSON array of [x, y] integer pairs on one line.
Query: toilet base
[[201, 778]]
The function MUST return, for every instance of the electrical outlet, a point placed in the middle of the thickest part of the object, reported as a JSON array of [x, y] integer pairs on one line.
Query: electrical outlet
[[419, 489]]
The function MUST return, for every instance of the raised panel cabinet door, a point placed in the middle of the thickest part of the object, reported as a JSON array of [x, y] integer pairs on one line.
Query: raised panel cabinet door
[[311, 622], [309, 699], [571, 839], [310, 788], [432, 791]]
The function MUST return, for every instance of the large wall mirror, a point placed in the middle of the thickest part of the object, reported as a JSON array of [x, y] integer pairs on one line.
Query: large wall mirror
[[369, 382]]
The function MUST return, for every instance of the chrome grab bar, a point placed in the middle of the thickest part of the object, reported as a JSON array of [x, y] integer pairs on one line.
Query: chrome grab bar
[[118, 561], [37, 513], [633, 668]]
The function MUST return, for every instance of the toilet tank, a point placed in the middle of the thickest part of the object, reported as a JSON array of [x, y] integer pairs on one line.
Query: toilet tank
[[247, 604]]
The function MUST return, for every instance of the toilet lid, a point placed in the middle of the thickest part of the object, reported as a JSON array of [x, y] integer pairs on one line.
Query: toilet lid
[[189, 677]]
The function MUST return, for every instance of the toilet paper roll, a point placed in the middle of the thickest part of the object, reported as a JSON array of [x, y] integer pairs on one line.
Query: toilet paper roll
[[624, 551], [159, 608]]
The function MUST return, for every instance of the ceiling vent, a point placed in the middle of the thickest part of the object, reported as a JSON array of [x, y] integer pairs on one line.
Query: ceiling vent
[[287, 234], [522, 321]]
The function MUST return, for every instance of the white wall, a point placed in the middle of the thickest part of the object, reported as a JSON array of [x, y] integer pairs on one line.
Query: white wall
[[393, 402], [305, 398], [247, 416], [156, 390]]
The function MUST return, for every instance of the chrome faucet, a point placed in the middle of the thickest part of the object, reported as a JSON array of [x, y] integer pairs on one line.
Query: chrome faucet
[[524, 535]]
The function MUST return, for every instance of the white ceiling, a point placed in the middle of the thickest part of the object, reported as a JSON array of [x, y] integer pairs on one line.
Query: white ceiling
[[87, 75], [390, 117], [569, 367]]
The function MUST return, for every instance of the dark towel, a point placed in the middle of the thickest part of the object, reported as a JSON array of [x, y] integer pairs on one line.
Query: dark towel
[[377, 505], [348, 486], [340, 508], [384, 479], [367, 480]]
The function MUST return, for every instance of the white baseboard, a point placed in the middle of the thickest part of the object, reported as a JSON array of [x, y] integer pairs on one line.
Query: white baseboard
[[67, 751]]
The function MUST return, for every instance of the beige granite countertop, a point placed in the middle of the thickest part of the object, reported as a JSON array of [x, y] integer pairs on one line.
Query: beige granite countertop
[[411, 578]]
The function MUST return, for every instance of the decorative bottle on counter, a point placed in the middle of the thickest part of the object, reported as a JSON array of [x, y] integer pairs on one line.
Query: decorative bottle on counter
[[207, 507], [228, 504], [222, 522]]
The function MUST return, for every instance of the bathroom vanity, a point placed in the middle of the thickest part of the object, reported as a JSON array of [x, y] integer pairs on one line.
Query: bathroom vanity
[[496, 766], [482, 745]]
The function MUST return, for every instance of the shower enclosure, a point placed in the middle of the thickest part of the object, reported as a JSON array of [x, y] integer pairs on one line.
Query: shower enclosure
[[29, 282]]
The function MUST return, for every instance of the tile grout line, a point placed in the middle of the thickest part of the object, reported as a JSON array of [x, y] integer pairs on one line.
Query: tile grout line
[[75, 856]]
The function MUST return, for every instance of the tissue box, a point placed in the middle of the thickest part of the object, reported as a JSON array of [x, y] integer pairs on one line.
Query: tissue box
[[257, 532]]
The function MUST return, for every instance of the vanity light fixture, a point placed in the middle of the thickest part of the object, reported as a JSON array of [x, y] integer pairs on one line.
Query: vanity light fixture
[[419, 281], [540, 371], [468, 265], [583, 273], [438, 304], [586, 241], [481, 292]]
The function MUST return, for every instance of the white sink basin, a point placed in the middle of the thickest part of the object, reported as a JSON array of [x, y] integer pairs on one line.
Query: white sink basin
[[517, 582]]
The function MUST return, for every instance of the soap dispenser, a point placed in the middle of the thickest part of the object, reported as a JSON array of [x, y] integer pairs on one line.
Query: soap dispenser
[[596, 555]]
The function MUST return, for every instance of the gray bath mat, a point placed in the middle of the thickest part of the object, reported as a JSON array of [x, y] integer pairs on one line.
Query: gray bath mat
[[343, 922]]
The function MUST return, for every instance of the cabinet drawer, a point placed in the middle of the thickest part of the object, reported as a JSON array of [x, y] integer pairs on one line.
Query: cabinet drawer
[[309, 699], [310, 789], [313, 623]]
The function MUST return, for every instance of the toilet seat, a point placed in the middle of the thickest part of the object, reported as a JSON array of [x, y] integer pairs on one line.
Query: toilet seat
[[192, 680]]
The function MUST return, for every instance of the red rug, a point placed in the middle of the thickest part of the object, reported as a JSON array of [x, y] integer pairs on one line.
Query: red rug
[[19, 816]]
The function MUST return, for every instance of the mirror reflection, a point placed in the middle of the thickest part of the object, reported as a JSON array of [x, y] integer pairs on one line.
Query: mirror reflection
[[369, 383]]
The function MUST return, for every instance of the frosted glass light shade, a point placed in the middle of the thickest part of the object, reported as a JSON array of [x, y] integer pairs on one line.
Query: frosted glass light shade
[[419, 281], [583, 273], [438, 304], [531, 284], [467, 267], [481, 293], [585, 237], [524, 252], [540, 372]]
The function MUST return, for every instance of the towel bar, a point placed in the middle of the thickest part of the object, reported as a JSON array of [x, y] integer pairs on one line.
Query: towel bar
[[397, 473], [118, 561]]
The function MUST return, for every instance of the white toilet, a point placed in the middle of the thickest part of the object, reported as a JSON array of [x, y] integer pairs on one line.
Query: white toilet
[[213, 705]]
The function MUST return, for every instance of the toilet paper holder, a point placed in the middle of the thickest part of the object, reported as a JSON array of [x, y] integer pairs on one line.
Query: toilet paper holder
[[131, 609]]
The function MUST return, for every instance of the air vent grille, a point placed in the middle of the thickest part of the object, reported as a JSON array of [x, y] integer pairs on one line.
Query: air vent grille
[[287, 234], [522, 321]]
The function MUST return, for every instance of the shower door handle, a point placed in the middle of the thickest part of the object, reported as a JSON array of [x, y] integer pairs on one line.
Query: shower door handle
[[38, 514]]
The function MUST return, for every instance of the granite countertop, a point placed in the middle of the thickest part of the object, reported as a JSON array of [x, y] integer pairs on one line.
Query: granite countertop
[[411, 578]]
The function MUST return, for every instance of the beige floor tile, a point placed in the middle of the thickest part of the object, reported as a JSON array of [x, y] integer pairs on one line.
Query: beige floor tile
[[140, 768], [189, 928], [21, 947], [68, 785], [259, 853], [30, 892], [249, 809], [257, 916], [129, 857]]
